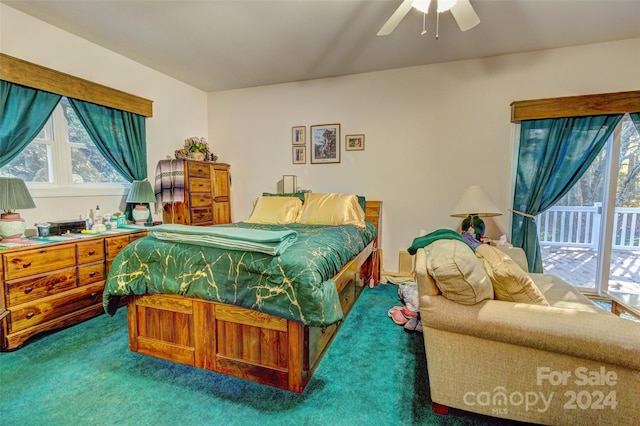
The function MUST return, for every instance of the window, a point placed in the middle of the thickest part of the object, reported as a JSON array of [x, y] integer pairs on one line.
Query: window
[[63, 160], [591, 237]]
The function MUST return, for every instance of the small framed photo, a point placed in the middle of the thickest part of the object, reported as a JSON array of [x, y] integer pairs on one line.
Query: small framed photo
[[299, 135], [299, 155], [354, 143], [325, 143]]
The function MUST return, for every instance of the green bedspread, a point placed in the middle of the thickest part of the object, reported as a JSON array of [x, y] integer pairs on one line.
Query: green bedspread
[[296, 285]]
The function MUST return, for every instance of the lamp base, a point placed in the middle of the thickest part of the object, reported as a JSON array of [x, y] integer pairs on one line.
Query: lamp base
[[140, 214], [12, 227], [474, 225]]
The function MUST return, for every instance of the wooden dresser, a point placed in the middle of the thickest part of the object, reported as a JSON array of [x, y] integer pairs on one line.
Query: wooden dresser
[[55, 284], [207, 195]]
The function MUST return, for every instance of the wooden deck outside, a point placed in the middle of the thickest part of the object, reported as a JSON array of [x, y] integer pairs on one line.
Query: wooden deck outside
[[577, 266]]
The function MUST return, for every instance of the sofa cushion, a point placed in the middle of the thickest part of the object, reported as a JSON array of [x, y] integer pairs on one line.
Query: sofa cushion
[[510, 282], [457, 272]]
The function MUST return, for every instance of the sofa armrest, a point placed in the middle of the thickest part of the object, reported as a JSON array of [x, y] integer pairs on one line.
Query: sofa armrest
[[600, 337]]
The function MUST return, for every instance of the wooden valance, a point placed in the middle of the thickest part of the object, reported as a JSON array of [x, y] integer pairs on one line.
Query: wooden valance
[[576, 106], [25, 73]]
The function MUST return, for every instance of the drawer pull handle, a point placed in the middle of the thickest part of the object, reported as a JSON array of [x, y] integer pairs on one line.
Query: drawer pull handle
[[26, 264], [30, 315], [92, 252], [92, 274], [94, 294], [28, 290], [120, 246]]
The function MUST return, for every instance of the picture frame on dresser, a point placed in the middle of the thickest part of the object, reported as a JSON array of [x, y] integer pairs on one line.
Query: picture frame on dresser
[[325, 143]]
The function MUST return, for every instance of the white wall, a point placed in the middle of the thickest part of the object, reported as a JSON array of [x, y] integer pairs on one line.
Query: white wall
[[431, 131], [179, 110]]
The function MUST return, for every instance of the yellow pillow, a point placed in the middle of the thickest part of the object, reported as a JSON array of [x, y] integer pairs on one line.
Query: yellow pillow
[[331, 209], [275, 210], [458, 273], [510, 282]]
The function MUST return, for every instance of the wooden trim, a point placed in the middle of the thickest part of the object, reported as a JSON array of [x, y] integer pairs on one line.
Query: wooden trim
[[576, 106], [25, 73]]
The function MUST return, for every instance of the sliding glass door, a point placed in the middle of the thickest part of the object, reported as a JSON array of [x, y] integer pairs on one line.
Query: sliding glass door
[[591, 237]]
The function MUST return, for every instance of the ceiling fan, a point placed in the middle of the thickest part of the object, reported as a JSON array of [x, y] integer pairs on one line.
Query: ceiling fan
[[462, 12]]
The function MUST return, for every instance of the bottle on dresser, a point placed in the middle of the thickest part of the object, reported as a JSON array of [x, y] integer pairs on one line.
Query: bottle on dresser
[[97, 216]]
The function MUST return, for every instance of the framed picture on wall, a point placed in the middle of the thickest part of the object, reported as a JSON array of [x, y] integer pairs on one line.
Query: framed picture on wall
[[299, 135], [299, 155], [354, 143], [325, 143]]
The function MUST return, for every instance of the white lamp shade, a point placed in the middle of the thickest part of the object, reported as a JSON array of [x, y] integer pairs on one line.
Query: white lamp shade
[[475, 201]]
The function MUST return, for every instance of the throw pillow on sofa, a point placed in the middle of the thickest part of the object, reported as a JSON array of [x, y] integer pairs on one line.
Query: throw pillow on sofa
[[510, 282], [457, 272]]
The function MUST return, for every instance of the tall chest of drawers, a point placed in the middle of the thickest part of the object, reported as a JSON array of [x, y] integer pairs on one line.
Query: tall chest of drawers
[[207, 195], [51, 285]]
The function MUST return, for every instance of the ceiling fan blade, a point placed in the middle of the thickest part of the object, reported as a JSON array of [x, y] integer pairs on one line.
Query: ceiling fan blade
[[395, 19], [465, 15]]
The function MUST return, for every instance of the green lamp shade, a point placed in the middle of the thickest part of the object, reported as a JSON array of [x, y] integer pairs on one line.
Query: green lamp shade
[[14, 195], [141, 192]]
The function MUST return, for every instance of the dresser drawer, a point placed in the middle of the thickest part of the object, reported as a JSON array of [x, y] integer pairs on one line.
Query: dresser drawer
[[90, 251], [49, 308], [89, 274], [201, 215], [200, 185], [43, 285], [201, 170], [115, 244], [36, 261], [201, 199]]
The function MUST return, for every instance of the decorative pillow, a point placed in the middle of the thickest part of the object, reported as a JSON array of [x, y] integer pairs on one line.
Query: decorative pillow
[[457, 272], [299, 195], [510, 282], [331, 209], [275, 210]]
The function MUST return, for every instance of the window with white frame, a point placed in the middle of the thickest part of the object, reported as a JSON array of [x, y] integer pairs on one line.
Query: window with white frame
[[63, 156]]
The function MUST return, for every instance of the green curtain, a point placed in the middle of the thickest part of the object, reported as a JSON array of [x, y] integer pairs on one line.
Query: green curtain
[[553, 155], [23, 113], [635, 117], [119, 135]]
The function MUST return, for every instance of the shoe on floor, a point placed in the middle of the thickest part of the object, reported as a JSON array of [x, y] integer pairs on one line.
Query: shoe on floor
[[409, 313], [396, 315]]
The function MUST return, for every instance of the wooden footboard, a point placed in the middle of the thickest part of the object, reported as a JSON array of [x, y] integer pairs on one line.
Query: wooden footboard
[[236, 341], [242, 342]]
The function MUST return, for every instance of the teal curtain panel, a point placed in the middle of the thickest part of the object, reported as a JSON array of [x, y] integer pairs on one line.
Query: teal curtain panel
[[119, 135], [553, 155], [23, 113]]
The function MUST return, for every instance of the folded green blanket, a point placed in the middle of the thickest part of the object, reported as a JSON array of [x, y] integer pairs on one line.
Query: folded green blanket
[[273, 243], [440, 234]]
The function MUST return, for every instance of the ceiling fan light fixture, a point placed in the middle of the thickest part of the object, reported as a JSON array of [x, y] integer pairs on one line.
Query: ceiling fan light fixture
[[444, 5], [421, 5]]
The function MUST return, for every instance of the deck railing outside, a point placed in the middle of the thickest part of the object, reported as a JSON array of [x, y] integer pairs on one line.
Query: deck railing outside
[[580, 227]]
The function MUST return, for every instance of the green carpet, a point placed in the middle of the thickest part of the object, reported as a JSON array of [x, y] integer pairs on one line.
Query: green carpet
[[373, 374]]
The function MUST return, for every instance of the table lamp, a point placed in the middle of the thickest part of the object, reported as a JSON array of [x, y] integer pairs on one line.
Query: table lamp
[[14, 195], [141, 193], [473, 204]]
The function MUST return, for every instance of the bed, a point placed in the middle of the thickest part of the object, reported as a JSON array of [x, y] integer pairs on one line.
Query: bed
[[271, 327]]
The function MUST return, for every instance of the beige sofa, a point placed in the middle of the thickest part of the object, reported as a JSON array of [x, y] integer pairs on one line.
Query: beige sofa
[[569, 363]]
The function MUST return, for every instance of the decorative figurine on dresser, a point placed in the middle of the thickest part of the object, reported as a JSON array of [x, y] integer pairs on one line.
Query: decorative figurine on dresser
[[194, 192]]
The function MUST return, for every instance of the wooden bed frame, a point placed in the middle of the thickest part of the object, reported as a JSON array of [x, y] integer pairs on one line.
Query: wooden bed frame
[[241, 342]]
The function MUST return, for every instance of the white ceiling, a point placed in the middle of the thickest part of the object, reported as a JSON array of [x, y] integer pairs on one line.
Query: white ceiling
[[218, 45]]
